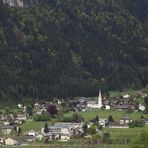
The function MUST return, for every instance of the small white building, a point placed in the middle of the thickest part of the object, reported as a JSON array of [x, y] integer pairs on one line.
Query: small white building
[[141, 107], [31, 133], [39, 136], [20, 105], [126, 96], [103, 121], [107, 107]]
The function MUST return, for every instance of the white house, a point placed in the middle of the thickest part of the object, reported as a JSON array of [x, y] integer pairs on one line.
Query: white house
[[107, 107], [95, 104], [126, 96], [39, 136], [103, 121], [141, 107], [20, 105]]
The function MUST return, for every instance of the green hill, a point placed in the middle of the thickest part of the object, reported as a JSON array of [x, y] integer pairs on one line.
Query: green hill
[[72, 48]]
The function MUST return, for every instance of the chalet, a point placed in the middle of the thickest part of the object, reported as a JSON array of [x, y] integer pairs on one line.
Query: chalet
[[7, 129], [125, 120]]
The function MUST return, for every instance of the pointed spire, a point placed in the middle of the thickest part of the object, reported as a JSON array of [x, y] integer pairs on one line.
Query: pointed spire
[[99, 99]]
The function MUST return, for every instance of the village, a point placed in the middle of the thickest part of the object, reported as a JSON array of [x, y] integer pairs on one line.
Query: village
[[78, 118]]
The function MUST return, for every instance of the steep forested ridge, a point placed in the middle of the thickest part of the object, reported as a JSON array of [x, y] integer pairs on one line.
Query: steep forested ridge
[[73, 47]]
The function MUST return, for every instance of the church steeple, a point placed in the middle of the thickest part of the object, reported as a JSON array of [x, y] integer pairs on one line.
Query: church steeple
[[99, 99]]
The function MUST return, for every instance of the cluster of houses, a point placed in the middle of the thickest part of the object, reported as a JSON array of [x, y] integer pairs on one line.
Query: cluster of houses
[[63, 131], [118, 103]]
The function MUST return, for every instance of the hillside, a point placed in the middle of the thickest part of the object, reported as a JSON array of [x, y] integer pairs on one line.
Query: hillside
[[73, 47]]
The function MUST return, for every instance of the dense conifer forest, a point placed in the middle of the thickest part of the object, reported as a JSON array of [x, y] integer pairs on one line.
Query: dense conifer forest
[[62, 48]]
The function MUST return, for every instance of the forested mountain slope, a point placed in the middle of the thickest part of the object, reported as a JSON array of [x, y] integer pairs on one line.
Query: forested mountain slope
[[73, 47]]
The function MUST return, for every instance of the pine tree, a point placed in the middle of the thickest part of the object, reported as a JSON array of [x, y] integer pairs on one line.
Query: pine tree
[[46, 130]]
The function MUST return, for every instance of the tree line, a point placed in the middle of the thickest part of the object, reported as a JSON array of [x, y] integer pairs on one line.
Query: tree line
[[72, 48]]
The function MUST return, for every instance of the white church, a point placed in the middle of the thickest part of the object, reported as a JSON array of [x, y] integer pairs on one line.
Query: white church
[[95, 104]]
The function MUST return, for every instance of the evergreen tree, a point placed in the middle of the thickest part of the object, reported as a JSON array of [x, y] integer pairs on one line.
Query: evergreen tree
[[110, 119], [46, 129], [85, 129]]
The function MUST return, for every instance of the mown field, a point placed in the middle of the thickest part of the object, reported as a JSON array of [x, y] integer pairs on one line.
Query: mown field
[[87, 116], [33, 125], [105, 114]]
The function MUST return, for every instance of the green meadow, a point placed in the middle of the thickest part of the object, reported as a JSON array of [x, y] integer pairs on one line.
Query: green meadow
[[105, 114]]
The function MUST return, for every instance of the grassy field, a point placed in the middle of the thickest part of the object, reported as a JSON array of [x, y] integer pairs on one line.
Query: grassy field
[[73, 146], [104, 114], [32, 125], [124, 134]]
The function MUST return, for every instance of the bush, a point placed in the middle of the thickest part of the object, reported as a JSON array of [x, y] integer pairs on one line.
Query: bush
[[92, 130], [136, 124]]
